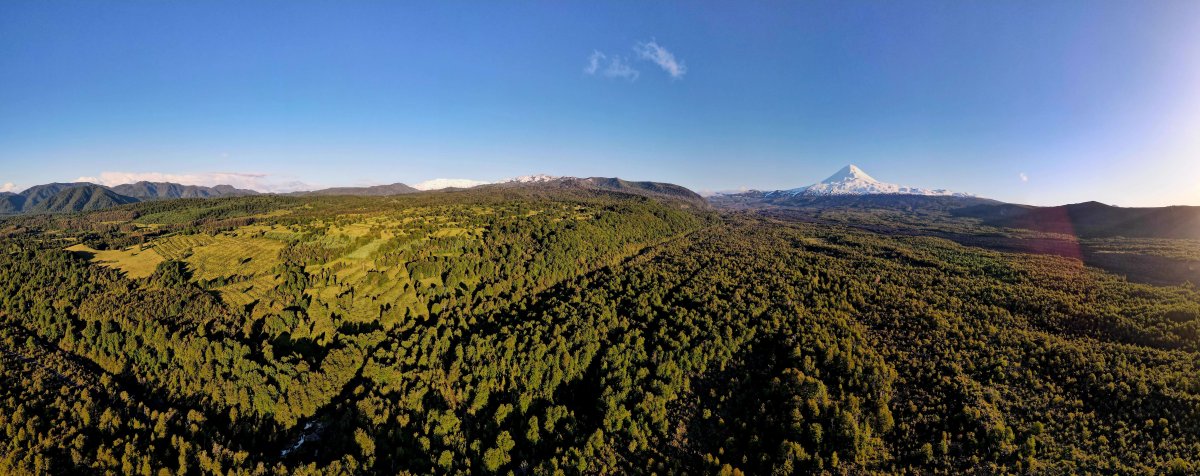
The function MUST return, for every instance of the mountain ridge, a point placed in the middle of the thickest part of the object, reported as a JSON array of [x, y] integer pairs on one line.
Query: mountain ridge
[[81, 198], [369, 191], [658, 190], [852, 180], [145, 190], [65, 197]]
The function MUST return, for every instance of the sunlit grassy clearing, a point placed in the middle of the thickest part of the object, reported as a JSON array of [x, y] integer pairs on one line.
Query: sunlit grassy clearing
[[227, 256], [133, 262], [243, 293], [364, 251], [222, 255]]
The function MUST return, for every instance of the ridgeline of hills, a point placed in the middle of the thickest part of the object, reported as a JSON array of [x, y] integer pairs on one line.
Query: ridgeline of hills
[[373, 191], [1091, 219], [849, 189], [655, 190], [83, 196], [166, 190]]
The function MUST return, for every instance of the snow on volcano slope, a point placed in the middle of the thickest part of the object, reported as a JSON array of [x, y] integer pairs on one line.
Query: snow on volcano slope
[[851, 180]]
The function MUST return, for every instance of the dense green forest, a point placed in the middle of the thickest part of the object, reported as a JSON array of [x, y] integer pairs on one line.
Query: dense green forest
[[579, 332]]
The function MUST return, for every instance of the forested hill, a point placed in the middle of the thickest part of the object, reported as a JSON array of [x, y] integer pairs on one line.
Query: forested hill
[[30, 197], [372, 191], [83, 196], [166, 190], [11, 203], [80, 198], [655, 190], [573, 330], [62, 197], [1093, 219]]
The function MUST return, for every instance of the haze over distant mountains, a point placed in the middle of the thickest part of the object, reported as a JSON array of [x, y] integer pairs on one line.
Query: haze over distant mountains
[[850, 187], [371, 191], [84, 196]]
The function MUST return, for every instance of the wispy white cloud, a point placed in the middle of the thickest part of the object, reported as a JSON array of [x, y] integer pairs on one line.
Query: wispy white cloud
[[594, 62], [252, 181], [619, 68], [616, 66], [439, 183], [652, 51], [1024, 178], [610, 67], [7, 187]]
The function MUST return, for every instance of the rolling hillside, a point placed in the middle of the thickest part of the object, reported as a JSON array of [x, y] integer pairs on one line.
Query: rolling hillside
[[1092, 219]]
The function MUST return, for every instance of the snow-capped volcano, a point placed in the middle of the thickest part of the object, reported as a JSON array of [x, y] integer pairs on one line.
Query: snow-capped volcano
[[851, 180], [535, 178]]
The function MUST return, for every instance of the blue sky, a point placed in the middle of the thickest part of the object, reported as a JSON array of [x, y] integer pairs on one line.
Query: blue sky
[[1025, 101]]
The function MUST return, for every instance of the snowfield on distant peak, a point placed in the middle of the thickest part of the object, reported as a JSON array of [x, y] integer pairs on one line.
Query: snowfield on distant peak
[[851, 180]]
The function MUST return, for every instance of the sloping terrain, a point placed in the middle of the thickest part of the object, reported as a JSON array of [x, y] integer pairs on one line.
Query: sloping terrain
[[11, 203], [80, 198], [1093, 219], [36, 194], [577, 330], [372, 191], [166, 190], [657, 190]]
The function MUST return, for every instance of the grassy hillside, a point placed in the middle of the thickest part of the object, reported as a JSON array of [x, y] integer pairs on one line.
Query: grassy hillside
[[578, 330]]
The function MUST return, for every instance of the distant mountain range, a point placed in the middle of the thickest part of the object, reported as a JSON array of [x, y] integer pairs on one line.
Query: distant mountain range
[[372, 191], [83, 196], [166, 190], [850, 187], [658, 190], [61, 197]]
